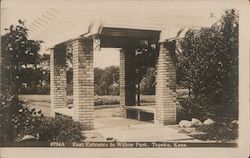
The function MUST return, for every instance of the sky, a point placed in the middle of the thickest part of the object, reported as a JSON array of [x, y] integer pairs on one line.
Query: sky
[[57, 21], [106, 57]]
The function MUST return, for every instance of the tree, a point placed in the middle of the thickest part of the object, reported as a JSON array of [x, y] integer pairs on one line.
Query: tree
[[107, 80], [148, 82], [19, 55], [146, 55], [208, 66], [36, 79]]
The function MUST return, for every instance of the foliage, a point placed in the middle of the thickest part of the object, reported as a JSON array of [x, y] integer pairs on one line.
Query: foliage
[[17, 120], [146, 53], [19, 55], [207, 65], [107, 81], [148, 82], [195, 107], [60, 128], [107, 101], [36, 80], [26, 121], [218, 131], [6, 124]]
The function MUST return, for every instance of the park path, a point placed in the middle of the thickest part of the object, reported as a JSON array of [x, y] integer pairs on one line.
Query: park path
[[130, 130], [108, 126]]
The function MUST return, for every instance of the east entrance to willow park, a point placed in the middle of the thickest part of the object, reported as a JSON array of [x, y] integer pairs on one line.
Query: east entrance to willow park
[[148, 42], [160, 53], [129, 40]]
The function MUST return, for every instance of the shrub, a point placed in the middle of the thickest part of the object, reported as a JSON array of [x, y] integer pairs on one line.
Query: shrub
[[218, 131], [106, 101], [202, 108], [208, 66], [195, 108], [17, 120], [182, 113], [60, 129], [101, 101], [6, 125], [26, 122]]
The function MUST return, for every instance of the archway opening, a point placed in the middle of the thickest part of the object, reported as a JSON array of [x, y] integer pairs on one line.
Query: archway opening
[[106, 82]]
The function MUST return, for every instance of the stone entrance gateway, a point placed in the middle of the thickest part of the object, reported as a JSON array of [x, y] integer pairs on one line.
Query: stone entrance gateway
[[83, 74]]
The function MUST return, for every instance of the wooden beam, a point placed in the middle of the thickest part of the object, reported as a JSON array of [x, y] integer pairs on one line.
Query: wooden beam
[[133, 33], [117, 42]]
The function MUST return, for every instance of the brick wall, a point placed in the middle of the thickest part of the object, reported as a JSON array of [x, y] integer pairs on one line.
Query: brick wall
[[165, 111], [57, 79], [83, 82], [122, 83]]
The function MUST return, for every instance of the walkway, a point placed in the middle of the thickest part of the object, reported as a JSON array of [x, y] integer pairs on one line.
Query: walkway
[[130, 130], [108, 126]]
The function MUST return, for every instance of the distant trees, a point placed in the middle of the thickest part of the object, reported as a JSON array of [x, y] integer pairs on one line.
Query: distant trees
[[148, 82], [107, 81], [36, 80], [146, 54]]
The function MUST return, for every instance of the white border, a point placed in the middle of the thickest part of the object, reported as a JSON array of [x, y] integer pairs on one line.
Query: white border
[[241, 151]]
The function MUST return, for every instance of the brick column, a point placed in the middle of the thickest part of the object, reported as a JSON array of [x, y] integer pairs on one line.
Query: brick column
[[58, 83], [165, 110], [122, 83], [127, 79], [83, 82]]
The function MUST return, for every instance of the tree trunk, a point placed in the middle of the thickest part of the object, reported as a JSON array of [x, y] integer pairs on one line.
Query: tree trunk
[[138, 94]]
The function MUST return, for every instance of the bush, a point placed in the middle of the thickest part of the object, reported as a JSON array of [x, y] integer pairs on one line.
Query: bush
[[106, 101], [35, 89], [195, 108], [60, 129], [208, 66], [218, 131], [101, 100], [6, 125], [17, 120], [202, 108], [26, 122], [182, 113]]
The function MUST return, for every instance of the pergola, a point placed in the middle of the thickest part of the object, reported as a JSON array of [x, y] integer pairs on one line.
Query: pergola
[[80, 29], [83, 73]]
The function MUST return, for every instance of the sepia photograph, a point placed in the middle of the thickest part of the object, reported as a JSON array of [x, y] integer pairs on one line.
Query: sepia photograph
[[122, 74]]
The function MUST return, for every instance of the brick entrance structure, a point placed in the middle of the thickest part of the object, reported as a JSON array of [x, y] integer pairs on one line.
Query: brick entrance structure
[[83, 74], [165, 96]]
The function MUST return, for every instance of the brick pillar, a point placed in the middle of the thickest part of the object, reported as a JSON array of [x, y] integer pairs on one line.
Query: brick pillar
[[127, 79], [58, 83], [122, 83], [165, 110], [83, 82]]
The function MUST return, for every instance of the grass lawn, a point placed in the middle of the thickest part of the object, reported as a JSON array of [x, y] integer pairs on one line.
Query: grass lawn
[[46, 98], [42, 102]]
